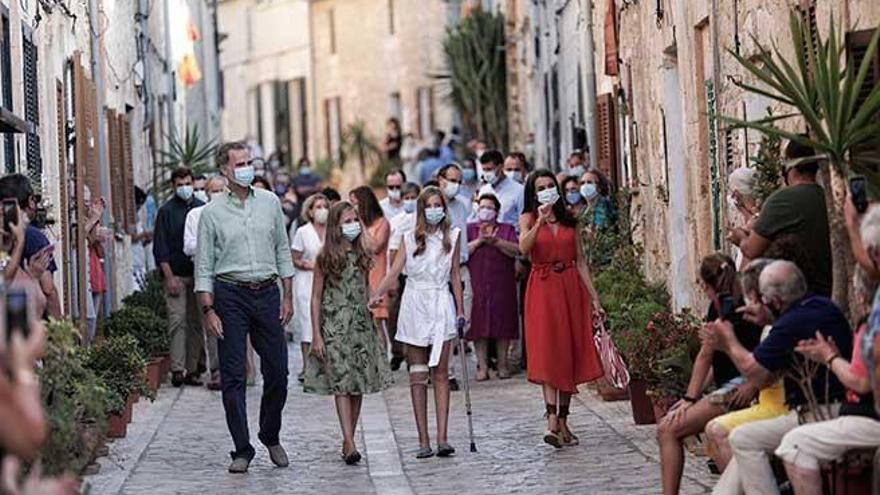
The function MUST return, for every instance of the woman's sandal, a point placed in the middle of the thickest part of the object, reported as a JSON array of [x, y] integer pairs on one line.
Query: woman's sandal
[[568, 438], [552, 437], [352, 458], [424, 453], [445, 450]]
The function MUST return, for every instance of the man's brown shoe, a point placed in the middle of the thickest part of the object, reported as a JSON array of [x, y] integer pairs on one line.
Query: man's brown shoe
[[278, 456]]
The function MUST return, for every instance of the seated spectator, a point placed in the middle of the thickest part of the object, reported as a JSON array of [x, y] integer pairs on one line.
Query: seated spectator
[[771, 399], [799, 209], [796, 315], [690, 414]]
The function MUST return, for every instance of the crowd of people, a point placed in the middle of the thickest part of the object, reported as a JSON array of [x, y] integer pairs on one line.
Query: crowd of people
[[475, 244]]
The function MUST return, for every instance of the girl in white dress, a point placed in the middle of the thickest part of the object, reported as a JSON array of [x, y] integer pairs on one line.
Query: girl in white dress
[[429, 312], [307, 242]]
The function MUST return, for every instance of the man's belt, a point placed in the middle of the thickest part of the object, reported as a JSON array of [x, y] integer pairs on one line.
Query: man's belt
[[249, 285]]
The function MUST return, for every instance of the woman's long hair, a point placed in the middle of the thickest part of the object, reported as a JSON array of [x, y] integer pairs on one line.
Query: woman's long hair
[[369, 209], [333, 257], [530, 203], [718, 271], [421, 230]]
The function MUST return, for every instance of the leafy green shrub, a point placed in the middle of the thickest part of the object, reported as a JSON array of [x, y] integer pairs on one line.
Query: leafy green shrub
[[151, 297], [74, 398], [679, 343], [120, 363], [150, 330]]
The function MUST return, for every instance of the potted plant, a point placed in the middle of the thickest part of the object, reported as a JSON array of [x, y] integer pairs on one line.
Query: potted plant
[[75, 401], [119, 362], [676, 336], [151, 333]]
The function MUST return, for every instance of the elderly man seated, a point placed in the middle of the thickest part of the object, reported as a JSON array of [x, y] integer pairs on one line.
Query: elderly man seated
[[796, 315]]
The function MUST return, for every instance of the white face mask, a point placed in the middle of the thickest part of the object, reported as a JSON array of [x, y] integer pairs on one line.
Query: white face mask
[[409, 205], [450, 190], [489, 177], [351, 230], [576, 171], [487, 214], [201, 195], [434, 215], [321, 215], [589, 190], [548, 196], [184, 192], [514, 175], [394, 194]]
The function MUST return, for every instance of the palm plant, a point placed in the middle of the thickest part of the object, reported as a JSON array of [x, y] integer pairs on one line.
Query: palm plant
[[475, 61], [356, 141], [823, 89], [190, 152]]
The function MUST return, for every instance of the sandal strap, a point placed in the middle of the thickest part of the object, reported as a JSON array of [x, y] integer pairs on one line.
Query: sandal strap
[[551, 410], [563, 411]]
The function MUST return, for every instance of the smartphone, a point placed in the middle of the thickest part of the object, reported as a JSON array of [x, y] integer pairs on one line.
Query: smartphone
[[10, 213], [17, 317], [728, 309], [858, 192]]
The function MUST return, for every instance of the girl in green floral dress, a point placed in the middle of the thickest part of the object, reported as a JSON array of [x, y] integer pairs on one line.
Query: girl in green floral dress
[[347, 357]]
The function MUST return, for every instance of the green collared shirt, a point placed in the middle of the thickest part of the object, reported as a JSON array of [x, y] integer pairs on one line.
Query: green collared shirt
[[245, 242]]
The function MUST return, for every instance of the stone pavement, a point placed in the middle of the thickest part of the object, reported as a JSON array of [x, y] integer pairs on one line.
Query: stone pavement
[[179, 444]]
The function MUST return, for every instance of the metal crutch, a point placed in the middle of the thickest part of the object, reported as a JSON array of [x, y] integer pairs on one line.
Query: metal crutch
[[460, 324]]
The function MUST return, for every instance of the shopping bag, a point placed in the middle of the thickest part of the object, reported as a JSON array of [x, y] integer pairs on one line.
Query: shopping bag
[[612, 362]]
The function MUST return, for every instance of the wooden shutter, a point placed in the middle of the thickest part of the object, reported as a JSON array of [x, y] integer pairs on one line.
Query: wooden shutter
[[81, 92], [32, 111], [856, 48], [606, 137], [61, 126], [807, 11], [114, 149], [129, 213]]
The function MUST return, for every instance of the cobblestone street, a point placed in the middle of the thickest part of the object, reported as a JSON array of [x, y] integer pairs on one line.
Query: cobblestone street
[[179, 444]]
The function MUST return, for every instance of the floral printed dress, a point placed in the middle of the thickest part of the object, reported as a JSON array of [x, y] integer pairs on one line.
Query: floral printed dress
[[354, 359]]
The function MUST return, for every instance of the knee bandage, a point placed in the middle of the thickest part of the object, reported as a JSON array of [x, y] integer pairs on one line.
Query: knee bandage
[[418, 375]]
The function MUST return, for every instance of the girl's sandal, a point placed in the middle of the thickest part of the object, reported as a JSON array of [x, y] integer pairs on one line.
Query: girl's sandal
[[568, 438], [424, 453], [445, 450]]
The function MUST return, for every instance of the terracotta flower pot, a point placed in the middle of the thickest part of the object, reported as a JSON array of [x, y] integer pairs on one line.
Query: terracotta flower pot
[[129, 409], [154, 373], [164, 368], [642, 409], [117, 426], [610, 393]]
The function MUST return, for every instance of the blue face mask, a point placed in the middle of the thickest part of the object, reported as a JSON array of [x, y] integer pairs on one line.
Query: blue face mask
[[409, 205], [576, 171], [184, 192], [305, 170], [469, 174], [573, 198], [244, 175], [434, 215]]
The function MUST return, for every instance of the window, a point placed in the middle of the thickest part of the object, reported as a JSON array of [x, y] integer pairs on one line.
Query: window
[[6, 82], [333, 127], [31, 109], [395, 108], [856, 46], [299, 120], [807, 11], [282, 122], [331, 17], [606, 137], [425, 104], [391, 17]]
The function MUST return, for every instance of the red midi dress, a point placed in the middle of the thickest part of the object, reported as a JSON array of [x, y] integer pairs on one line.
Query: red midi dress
[[558, 315]]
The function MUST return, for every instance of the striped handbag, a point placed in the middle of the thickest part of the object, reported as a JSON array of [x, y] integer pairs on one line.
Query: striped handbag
[[612, 362]]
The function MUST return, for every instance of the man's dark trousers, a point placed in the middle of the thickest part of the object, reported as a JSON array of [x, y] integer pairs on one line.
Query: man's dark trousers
[[246, 311]]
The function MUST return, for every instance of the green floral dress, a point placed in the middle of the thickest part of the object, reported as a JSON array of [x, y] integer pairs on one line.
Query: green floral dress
[[354, 359]]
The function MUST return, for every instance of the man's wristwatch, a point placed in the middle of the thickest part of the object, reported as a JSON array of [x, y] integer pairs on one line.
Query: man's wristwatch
[[207, 309]]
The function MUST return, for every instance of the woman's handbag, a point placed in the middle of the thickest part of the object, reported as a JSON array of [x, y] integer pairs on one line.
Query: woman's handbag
[[612, 362]]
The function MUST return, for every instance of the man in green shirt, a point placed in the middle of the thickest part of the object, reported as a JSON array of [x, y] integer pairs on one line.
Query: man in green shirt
[[242, 252], [797, 209]]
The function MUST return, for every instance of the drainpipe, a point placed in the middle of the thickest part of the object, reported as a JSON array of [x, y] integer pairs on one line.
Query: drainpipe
[[589, 82], [103, 166], [313, 79], [143, 39], [169, 71]]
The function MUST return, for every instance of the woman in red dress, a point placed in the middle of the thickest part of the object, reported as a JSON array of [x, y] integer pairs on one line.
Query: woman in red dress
[[559, 304]]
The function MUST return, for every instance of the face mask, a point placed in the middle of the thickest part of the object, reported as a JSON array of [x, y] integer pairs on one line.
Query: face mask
[[351, 230], [469, 174], [201, 196], [280, 189], [451, 189], [434, 215], [548, 196], [514, 175], [243, 176], [184, 192], [487, 214], [394, 194], [321, 215], [489, 177], [573, 198], [576, 171], [589, 190], [409, 205], [306, 170]]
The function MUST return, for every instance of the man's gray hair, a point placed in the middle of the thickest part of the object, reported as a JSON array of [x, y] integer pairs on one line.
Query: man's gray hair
[[783, 280], [222, 156], [870, 228]]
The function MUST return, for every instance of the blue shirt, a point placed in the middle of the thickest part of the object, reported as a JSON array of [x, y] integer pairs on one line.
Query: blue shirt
[[459, 211], [800, 322], [429, 167], [511, 196], [34, 241]]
